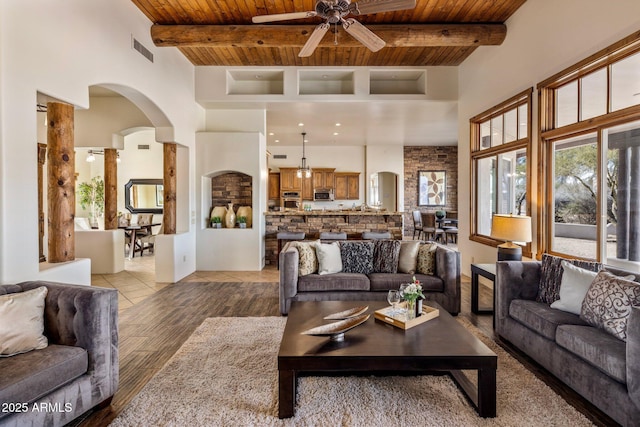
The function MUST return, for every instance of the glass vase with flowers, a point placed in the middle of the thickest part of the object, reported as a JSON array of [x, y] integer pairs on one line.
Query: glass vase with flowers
[[410, 294]]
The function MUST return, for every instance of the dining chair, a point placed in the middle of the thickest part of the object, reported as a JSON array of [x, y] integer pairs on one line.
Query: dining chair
[[430, 228], [417, 224], [148, 242]]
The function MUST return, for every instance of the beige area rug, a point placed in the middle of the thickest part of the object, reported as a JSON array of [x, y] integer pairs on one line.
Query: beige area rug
[[226, 374]]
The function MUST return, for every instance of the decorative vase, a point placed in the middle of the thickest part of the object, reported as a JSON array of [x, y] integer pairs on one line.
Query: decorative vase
[[230, 219], [220, 212], [411, 309], [245, 211]]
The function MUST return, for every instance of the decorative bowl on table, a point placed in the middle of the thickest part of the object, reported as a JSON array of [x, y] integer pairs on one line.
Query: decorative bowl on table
[[335, 331], [347, 314]]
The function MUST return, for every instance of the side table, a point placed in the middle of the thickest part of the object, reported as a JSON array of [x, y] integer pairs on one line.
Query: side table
[[487, 271]]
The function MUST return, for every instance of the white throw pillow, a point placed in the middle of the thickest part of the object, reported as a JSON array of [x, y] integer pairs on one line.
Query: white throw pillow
[[329, 258], [22, 322], [573, 288]]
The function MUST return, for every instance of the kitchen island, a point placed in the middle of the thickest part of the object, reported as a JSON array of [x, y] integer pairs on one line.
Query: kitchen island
[[312, 223]]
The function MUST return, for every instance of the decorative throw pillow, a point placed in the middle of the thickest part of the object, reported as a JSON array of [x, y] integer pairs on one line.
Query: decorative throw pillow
[[22, 322], [573, 287], [357, 257], [307, 259], [385, 256], [329, 258], [408, 258], [608, 303], [551, 276], [427, 259]]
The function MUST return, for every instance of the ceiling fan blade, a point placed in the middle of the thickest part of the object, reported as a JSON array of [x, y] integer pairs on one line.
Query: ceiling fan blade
[[282, 17], [363, 34], [364, 7], [314, 40]]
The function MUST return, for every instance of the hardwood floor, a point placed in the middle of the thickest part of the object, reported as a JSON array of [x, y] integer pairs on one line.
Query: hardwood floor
[[152, 329]]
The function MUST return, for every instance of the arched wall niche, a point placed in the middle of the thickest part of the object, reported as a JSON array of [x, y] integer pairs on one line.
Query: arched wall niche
[[231, 187]]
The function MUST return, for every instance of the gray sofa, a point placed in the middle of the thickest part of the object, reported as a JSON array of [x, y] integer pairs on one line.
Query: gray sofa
[[443, 287], [77, 371], [602, 368]]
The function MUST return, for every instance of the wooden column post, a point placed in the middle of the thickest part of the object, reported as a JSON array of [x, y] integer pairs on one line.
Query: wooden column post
[[170, 186], [61, 195], [110, 189], [42, 157]]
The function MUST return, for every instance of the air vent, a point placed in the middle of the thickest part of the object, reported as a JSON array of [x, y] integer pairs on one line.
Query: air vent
[[279, 156], [143, 146], [143, 50]]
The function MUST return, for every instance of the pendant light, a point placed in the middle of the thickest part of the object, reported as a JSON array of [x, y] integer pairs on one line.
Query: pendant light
[[304, 170]]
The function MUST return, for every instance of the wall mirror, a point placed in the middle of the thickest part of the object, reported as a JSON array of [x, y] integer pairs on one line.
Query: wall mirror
[[144, 196]]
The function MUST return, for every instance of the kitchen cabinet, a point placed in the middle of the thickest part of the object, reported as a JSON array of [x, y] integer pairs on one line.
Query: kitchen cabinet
[[323, 178], [274, 186], [347, 185], [289, 180], [307, 188]]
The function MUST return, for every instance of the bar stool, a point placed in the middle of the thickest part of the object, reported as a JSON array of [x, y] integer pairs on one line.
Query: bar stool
[[329, 235], [375, 235], [289, 236]]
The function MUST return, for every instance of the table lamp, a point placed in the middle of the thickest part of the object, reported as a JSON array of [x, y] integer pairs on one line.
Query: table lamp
[[510, 228]]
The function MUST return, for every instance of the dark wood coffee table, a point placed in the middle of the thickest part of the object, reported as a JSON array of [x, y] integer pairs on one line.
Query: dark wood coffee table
[[441, 344]]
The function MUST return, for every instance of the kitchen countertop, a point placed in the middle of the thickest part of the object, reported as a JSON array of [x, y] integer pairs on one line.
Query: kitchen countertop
[[329, 212]]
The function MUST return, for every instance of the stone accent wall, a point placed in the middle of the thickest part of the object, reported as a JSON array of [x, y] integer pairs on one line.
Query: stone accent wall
[[440, 158], [354, 225], [231, 187]]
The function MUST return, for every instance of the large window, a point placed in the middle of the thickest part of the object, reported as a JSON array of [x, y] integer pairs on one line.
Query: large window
[[590, 158], [500, 143]]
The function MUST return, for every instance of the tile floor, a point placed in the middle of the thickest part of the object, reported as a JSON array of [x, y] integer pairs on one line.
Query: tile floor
[[137, 281]]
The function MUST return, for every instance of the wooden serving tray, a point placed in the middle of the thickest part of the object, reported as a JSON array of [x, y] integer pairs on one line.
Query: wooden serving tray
[[428, 313]]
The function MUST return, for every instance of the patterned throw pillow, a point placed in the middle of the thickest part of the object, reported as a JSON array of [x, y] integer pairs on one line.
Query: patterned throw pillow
[[357, 257], [551, 276], [427, 259], [307, 259], [608, 303], [385, 256]]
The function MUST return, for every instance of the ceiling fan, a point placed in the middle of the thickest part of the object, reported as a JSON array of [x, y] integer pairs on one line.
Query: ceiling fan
[[334, 12]]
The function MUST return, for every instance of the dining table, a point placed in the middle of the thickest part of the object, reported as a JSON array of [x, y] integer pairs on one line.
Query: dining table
[[134, 230]]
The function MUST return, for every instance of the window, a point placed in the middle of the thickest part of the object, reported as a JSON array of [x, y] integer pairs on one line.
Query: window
[[589, 168], [500, 143]]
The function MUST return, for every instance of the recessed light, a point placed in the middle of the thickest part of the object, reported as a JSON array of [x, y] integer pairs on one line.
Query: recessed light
[[258, 76], [271, 133], [300, 124], [277, 140], [306, 140], [335, 134], [338, 124], [324, 76]]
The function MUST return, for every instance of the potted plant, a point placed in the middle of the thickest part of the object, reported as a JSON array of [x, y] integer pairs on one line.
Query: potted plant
[[242, 220], [91, 194], [216, 222]]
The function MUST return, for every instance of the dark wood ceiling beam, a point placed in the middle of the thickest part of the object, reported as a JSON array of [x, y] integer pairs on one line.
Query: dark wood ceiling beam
[[403, 35]]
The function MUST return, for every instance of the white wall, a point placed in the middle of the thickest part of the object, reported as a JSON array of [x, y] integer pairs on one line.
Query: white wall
[[231, 248], [60, 49], [543, 38]]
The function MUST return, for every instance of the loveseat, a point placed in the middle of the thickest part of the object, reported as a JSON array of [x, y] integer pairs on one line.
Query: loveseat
[[78, 367], [369, 270], [556, 327]]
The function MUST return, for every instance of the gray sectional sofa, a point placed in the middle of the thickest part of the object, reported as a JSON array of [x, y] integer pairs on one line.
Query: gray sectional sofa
[[77, 371], [442, 287], [599, 366]]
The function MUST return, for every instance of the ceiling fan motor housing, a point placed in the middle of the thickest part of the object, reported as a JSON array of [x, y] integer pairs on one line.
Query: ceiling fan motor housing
[[333, 11]]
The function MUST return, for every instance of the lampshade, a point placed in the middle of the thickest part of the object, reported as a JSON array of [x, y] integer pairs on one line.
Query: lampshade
[[511, 228]]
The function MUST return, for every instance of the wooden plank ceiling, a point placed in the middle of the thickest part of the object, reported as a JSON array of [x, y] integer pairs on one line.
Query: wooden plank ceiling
[[220, 32]]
